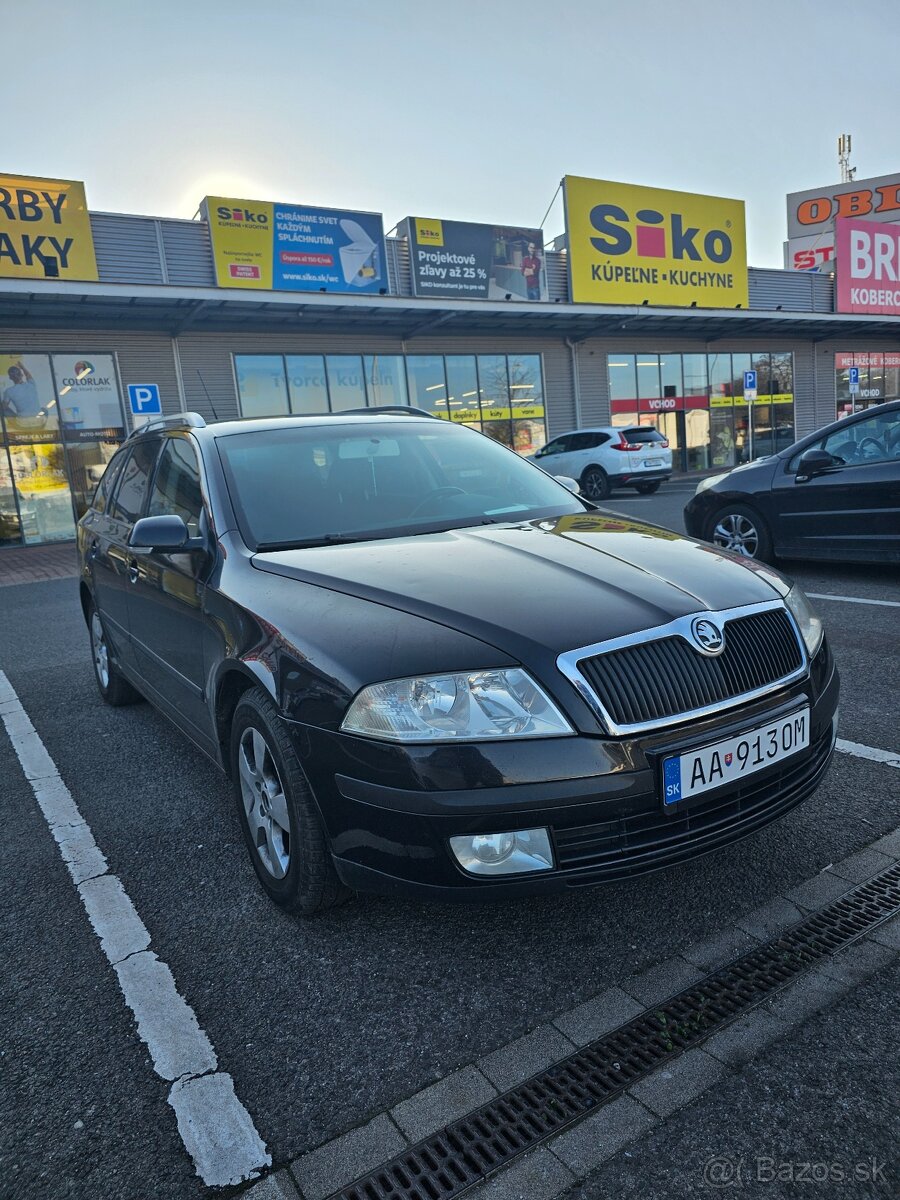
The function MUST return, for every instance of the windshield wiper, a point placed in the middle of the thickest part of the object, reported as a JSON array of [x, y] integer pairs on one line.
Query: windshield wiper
[[327, 539]]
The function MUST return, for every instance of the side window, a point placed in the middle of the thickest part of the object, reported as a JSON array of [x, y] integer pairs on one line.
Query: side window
[[128, 504], [558, 446], [176, 488], [872, 440], [108, 481], [597, 439]]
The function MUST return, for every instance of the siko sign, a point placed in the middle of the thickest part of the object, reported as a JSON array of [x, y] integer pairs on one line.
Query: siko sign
[[868, 267], [636, 245]]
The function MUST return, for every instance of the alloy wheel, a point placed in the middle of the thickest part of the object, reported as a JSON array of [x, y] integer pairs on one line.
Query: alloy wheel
[[737, 533], [265, 803], [595, 485], [100, 651]]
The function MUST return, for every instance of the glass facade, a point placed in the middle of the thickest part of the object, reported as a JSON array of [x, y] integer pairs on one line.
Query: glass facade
[[61, 421], [501, 394], [879, 379], [697, 402]]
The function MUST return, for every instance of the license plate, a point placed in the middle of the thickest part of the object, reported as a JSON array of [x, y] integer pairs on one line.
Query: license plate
[[652, 462], [697, 771]]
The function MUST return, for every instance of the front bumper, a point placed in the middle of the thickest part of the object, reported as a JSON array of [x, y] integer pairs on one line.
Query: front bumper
[[389, 810]]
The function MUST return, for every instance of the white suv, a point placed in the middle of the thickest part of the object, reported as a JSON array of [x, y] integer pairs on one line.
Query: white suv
[[602, 458]]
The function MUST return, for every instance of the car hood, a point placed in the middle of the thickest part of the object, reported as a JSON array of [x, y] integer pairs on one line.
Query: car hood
[[554, 584]]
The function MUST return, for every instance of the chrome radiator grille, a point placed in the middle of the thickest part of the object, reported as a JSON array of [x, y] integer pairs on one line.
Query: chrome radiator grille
[[654, 680]]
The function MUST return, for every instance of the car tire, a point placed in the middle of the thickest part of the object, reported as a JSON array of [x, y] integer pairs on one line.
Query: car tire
[[594, 484], [113, 687], [740, 529], [277, 812], [647, 489]]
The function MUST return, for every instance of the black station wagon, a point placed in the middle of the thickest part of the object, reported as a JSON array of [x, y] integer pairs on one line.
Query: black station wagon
[[428, 667]]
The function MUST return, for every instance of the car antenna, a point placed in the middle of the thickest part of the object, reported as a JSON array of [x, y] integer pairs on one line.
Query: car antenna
[[209, 397]]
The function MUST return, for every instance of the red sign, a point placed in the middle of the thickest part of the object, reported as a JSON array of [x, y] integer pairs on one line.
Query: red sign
[[868, 267]]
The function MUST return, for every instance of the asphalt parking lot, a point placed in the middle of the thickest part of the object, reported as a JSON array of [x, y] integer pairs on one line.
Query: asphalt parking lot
[[325, 1024]]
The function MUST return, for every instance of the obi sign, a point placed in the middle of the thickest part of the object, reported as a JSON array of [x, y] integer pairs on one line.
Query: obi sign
[[45, 230], [631, 245], [868, 267]]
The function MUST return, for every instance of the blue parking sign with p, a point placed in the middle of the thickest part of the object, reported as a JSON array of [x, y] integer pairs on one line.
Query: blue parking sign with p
[[144, 399], [854, 375], [749, 381]]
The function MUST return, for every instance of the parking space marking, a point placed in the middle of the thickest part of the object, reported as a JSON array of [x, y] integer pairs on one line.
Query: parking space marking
[[216, 1129], [853, 599], [889, 758]]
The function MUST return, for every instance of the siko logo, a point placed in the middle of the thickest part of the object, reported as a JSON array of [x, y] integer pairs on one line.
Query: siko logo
[[656, 235], [241, 214]]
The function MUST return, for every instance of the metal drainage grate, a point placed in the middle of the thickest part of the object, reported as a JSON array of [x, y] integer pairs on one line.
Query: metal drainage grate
[[461, 1154]]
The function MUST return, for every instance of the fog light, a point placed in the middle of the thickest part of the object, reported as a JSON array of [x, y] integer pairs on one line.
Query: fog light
[[511, 853]]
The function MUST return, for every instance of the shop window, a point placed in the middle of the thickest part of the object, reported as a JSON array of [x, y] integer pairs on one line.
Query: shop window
[[385, 380], [670, 374], [427, 385], [307, 385], [87, 466], [622, 378], [462, 389], [346, 383], [648, 377], [262, 388], [696, 376], [493, 386], [27, 395], [10, 524]]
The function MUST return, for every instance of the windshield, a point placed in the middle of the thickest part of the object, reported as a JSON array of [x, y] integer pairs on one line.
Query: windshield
[[314, 484]]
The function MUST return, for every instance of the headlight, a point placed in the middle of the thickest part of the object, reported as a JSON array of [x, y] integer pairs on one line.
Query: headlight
[[709, 481], [470, 705], [810, 625]]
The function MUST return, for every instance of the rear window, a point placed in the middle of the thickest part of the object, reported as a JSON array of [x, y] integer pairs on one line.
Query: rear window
[[635, 436]]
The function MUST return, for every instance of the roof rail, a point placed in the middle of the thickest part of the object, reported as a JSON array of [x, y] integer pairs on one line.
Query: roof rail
[[402, 410], [182, 420]]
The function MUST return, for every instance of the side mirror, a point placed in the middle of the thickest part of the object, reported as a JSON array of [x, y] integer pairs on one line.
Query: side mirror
[[570, 484], [166, 533], [540, 453], [814, 462]]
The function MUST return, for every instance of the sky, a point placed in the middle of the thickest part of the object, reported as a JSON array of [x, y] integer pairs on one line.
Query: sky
[[459, 109]]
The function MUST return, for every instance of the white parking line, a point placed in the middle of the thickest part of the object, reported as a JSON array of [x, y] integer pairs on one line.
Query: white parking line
[[853, 599], [874, 755], [217, 1131]]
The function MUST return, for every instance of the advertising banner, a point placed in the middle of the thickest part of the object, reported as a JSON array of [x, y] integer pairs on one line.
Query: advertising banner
[[45, 230], [87, 395], [868, 267], [292, 248], [465, 261], [637, 245]]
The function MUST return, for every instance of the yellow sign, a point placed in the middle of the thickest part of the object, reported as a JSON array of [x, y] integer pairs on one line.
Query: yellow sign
[[429, 232], [241, 235], [45, 230], [639, 245]]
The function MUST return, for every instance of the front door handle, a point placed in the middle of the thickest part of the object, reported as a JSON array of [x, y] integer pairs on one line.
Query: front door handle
[[134, 571], [95, 548]]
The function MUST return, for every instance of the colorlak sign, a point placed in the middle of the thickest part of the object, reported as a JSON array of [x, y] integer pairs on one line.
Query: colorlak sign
[[868, 267]]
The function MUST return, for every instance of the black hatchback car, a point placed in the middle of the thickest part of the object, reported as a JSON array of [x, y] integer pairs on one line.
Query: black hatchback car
[[429, 668], [833, 495]]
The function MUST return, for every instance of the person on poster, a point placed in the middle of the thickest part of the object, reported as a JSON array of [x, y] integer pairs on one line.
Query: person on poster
[[21, 400], [531, 269]]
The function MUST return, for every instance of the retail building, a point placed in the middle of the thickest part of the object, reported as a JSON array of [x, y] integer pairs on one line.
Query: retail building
[[522, 369]]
